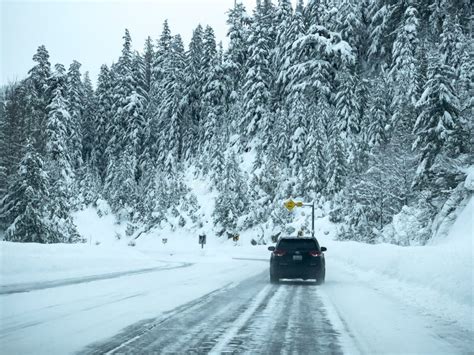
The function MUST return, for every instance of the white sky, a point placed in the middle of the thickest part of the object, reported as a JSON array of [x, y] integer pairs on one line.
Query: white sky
[[91, 31]]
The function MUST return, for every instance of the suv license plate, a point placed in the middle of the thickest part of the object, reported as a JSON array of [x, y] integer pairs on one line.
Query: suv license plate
[[297, 257]]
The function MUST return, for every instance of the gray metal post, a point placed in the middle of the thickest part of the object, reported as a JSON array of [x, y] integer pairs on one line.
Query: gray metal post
[[312, 224]]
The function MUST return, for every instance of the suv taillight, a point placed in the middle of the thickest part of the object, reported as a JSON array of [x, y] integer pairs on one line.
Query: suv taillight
[[315, 253], [279, 252]]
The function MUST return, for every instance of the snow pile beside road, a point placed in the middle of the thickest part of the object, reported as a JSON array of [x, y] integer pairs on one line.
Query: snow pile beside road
[[103, 253], [437, 277], [32, 262]]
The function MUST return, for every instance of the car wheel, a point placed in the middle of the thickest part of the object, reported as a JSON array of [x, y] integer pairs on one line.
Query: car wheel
[[321, 279], [273, 279]]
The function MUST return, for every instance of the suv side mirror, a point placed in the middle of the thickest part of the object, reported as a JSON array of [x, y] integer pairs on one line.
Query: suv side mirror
[[323, 249], [272, 248]]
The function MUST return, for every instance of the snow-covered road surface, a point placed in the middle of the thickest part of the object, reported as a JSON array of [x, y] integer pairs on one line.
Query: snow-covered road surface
[[346, 315], [252, 317], [220, 306], [64, 319]]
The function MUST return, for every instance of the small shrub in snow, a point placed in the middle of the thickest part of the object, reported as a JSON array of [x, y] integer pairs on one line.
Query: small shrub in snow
[[130, 229], [103, 207], [131, 243]]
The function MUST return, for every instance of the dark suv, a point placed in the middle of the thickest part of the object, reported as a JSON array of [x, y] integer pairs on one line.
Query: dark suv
[[297, 258]]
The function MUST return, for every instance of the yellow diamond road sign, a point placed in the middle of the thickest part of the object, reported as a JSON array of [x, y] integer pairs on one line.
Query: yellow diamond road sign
[[290, 204]]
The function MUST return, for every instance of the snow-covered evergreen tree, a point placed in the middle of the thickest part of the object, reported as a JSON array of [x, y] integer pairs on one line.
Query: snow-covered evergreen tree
[[232, 200], [103, 120], [75, 102], [257, 80], [88, 118], [38, 91], [24, 204], [438, 128], [405, 69]]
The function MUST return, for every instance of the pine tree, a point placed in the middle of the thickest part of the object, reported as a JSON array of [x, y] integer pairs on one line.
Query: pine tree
[[216, 98], [231, 202], [75, 107], [135, 108], [120, 185], [59, 167], [404, 69], [122, 91], [286, 32], [386, 16], [314, 13], [257, 80], [172, 106], [336, 166], [209, 55], [217, 157], [59, 161], [148, 58], [24, 204], [39, 76], [17, 125], [195, 80], [349, 23], [299, 138], [103, 120], [347, 106], [316, 55], [237, 54], [379, 113], [437, 127], [152, 153], [89, 118]]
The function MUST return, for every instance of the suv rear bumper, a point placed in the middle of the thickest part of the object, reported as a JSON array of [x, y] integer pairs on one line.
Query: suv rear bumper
[[295, 272]]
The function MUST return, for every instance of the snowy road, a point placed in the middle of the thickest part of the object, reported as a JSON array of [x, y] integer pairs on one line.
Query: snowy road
[[346, 315], [220, 304], [253, 317]]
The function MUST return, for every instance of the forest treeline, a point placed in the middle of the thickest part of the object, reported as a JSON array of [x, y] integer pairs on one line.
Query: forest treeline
[[364, 104]]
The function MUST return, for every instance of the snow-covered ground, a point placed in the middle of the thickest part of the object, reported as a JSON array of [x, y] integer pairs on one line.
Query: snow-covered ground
[[381, 298]]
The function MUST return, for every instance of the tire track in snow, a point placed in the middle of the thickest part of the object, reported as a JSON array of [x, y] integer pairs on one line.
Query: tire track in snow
[[240, 322], [292, 322], [251, 317], [141, 332]]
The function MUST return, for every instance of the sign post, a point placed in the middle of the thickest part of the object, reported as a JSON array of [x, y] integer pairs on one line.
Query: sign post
[[202, 240], [290, 204], [236, 237]]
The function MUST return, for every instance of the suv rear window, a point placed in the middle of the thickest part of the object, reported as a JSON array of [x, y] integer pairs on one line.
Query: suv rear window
[[298, 244]]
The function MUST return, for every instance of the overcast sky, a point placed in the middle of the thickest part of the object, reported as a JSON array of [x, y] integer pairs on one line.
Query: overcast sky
[[91, 31]]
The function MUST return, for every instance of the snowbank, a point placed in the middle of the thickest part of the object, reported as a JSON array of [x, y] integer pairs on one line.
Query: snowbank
[[103, 253], [32, 262], [437, 278]]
